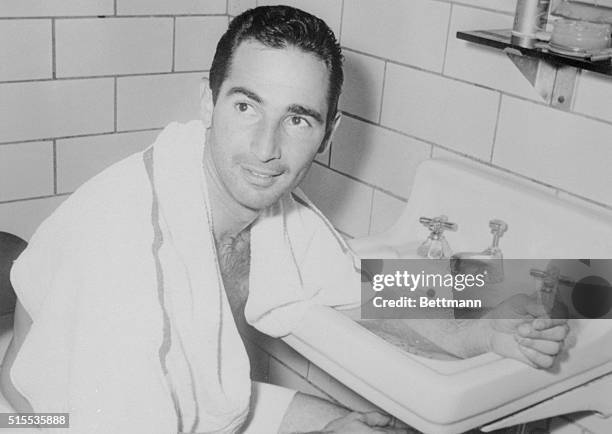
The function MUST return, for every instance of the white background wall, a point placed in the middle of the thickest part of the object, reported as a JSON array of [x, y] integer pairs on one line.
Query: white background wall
[[84, 83]]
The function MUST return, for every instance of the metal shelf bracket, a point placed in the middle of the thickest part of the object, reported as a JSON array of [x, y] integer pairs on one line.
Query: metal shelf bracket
[[554, 83]]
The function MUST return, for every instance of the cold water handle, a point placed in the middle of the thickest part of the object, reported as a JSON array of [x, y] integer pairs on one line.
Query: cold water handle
[[436, 246]]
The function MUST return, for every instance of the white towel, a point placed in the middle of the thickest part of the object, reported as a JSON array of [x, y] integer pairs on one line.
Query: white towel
[[132, 331]]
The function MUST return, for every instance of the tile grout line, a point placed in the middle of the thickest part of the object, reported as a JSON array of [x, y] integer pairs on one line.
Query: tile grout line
[[306, 379], [497, 119], [116, 114], [371, 212], [89, 17], [477, 85], [53, 51], [448, 36], [361, 181], [28, 199], [76, 136], [173, 44], [470, 157], [95, 77], [54, 166], [382, 93], [339, 38], [480, 8]]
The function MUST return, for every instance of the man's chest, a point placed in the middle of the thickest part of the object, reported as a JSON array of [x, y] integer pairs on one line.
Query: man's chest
[[234, 261]]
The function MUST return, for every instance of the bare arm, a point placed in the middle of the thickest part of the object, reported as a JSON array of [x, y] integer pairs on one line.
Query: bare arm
[[460, 337], [518, 328], [21, 327]]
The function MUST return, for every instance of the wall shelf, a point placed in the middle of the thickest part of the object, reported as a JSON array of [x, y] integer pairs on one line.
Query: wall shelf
[[501, 39], [552, 75]]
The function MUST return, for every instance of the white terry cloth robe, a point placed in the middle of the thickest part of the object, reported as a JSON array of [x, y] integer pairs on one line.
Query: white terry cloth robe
[[132, 331]]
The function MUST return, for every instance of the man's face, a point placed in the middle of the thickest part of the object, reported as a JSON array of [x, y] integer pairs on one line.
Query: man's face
[[268, 122]]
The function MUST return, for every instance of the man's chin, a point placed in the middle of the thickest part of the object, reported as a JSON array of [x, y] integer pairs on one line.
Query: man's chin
[[260, 202]]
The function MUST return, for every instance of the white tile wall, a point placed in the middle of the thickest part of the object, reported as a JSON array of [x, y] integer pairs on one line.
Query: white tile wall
[[41, 8], [88, 47], [361, 150], [30, 111], [499, 5], [236, 7], [363, 85], [494, 171], [593, 96], [25, 36], [26, 170], [328, 10], [434, 108], [196, 41], [475, 63], [411, 32], [344, 201], [385, 211], [22, 218], [145, 7], [156, 100], [558, 148], [80, 158]]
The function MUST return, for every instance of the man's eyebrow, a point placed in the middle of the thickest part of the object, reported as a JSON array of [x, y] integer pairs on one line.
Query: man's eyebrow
[[246, 92], [301, 110]]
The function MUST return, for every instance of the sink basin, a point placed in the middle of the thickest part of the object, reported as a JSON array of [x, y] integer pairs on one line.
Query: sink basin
[[444, 395]]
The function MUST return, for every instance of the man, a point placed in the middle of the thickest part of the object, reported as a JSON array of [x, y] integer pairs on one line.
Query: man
[[133, 293]]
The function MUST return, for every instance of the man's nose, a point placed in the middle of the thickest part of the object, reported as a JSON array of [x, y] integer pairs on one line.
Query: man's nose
[[266, 144]]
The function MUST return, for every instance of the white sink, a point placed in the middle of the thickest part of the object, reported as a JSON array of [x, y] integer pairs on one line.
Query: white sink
[[442, 396]]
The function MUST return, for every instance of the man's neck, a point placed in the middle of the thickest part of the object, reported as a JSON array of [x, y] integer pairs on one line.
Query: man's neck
[[229, 217]]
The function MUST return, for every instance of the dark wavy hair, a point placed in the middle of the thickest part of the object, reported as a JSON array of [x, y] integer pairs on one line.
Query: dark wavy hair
[[279, 27]]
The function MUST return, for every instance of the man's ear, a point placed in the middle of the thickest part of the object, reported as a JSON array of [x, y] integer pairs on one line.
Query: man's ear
[[206, 102], [330, 133]]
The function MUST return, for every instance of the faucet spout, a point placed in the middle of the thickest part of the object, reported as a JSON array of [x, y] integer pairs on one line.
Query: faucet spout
[[489, 262]]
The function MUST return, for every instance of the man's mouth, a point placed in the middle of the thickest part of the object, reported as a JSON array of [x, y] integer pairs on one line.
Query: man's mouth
[[260, 177]]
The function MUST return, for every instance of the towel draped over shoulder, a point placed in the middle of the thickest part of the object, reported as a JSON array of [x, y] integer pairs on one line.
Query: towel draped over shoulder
[[132, 330]]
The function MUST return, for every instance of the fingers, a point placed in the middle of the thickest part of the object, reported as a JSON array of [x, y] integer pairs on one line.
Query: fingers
[[553, 330], [374, 418], [550, 348], [536, 358]]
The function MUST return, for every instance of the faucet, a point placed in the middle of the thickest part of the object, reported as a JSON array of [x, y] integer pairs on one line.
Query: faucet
[[548, 294], [436, 246], [488, 262]]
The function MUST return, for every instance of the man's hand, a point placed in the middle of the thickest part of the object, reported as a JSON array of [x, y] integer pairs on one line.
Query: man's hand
[[364, 423], [520, 328]]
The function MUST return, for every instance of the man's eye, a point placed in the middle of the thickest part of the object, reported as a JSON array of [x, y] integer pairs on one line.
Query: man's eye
[[243, 107], [298, 121]]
